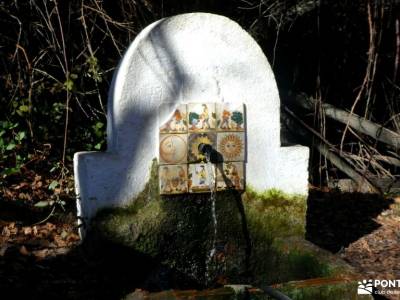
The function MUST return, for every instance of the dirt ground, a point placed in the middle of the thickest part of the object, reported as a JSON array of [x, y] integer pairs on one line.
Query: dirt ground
[[377, 255], [364, 230]]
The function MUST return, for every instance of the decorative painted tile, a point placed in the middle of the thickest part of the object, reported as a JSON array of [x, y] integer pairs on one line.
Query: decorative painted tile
[[201, 178], [230, 175], [231, 145], [195, 139], [173, 179], [173, 148], [176, 122], [230, 117], [201, 117]]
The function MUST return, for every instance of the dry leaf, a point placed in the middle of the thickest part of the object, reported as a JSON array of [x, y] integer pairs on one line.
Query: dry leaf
[[59, 241], [13, 230], [50, 226], [6, 232], [73, 237], [40, 254], [27, 230], [21, 185], [3, 249], [23, 250]]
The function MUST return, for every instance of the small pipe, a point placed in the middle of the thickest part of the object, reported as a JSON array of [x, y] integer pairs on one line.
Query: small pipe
[[205, 149]]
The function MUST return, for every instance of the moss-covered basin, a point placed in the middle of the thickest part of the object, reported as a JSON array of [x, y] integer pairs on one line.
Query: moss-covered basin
[[258, 240]]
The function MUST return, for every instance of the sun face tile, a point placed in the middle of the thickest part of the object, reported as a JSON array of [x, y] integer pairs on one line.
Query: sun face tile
[[230, 175], [177, 122], [173, 148], [173, 179], [201, 178], [195, 139], [231, 145], [230, 117], [201, 117]]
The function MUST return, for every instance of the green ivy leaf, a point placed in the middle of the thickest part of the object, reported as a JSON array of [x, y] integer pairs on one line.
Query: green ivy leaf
[[9, 171], [23, 108], [53, 185], [10, 146], [21, 135], [12, 126]]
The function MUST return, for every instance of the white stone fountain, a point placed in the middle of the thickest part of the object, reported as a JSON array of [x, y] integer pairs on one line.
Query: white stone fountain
[[189, 59]]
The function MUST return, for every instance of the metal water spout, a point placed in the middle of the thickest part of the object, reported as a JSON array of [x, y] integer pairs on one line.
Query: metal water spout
[[210, 153]]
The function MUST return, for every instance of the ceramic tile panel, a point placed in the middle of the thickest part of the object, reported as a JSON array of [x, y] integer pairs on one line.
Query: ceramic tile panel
[[201, 178], [230, 117], [182, 168], [177, 122], [230, 175], [201, 117], [231, 145], [194, 140], [173, 148], [173, 179]]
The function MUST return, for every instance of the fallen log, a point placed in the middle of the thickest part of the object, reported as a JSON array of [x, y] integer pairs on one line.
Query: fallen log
[[356, 122], [361, 179], [386, 185]]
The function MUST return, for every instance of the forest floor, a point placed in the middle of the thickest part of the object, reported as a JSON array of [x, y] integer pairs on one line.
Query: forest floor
[[377, 255], [47, 260]]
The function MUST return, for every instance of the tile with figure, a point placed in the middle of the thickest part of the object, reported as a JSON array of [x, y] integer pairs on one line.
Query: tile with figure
[[231, 145], [194, 140], [173, 148], [177, 122], [230, 175], [200, 177], [173, 179], [230, 117], [201, 117]]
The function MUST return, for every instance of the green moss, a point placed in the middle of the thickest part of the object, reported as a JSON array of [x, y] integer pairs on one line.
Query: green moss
[[275, 213], [273, 219]]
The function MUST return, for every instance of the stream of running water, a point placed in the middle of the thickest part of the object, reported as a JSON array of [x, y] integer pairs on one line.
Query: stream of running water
[[210, 257]]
